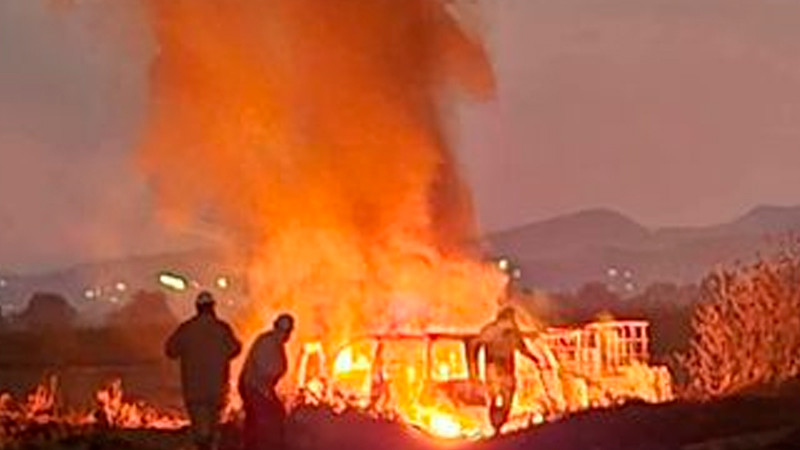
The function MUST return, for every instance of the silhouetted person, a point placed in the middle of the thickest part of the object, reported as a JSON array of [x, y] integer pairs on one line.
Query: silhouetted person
[[265, 365], [501, 338], [205, 346]]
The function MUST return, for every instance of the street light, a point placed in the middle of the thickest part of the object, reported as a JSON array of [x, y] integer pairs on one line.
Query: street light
[[172, 281], [504, 264]]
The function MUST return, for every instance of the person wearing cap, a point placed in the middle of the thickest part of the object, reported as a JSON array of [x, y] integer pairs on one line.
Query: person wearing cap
[[501, 339], [265, 365], [205, 345]]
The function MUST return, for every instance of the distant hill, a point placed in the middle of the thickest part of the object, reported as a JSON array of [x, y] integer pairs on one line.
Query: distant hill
[[99, 289], [599, 244], [573, 232], [561, 253]]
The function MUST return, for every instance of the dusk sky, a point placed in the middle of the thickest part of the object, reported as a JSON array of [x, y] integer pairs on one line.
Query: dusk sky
[[675, 112]]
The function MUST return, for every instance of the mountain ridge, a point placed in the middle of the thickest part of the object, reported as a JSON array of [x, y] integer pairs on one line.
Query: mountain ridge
[[559, 252]]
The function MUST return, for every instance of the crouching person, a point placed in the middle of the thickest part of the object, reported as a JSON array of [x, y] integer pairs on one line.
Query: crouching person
[[205, 346], [265, 365]]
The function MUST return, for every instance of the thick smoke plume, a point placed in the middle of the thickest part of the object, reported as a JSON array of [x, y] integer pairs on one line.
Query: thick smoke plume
[[312, 130]]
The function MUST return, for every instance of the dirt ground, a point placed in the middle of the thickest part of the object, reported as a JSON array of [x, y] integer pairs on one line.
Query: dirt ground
[[741, 423]]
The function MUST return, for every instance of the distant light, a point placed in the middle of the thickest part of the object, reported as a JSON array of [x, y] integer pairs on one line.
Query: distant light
[[172, 281], [223, 283], [630, 287], [113, 299], [516, 274], [89, 294], [3, 283], [628, 274], [612, 272], [503, 264], [121, 286]]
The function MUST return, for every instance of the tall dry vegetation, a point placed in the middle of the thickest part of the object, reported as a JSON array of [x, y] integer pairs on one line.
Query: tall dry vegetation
[[746, 329]]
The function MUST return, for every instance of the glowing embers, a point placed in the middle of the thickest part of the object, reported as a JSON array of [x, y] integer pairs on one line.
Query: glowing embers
[[443, 422], [444, 425]]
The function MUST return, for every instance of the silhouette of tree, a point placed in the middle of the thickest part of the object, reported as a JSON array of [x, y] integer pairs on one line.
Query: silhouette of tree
[[47, 310], [145, 308]]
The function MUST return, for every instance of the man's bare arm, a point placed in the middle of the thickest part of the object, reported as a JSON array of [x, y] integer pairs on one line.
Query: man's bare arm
[[522, 347]]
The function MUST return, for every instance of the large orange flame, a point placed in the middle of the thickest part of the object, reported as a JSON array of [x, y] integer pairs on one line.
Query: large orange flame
[[311, 130]]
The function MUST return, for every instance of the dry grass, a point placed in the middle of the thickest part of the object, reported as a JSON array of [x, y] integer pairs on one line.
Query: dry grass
[[746, 329]]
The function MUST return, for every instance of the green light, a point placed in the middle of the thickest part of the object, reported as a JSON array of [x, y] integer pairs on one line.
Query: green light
[[172, 281]]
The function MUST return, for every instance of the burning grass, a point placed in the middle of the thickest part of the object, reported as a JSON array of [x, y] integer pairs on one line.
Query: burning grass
[[40, 417], [735, 422]]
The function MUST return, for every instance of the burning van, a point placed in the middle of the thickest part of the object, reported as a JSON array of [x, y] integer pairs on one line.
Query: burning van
[[430, 380]]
